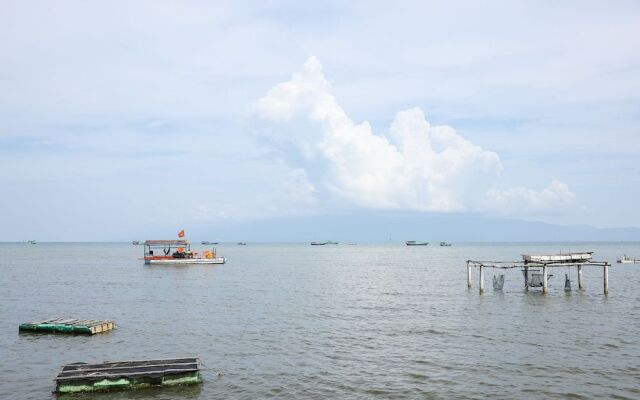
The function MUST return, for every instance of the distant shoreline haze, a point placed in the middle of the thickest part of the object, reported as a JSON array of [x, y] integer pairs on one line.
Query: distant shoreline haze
[[363, 228]]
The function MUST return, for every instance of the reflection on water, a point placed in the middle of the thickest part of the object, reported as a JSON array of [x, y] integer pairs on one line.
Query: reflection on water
[[299, 321]]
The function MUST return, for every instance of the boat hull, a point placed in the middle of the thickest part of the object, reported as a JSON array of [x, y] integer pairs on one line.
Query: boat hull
[[557, 258], [187, 261]]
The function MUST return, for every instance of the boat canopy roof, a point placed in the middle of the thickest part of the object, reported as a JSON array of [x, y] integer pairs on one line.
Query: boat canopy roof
[[166, 242]]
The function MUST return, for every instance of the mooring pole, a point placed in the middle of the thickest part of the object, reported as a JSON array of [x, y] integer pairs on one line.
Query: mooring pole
[[605, 273], [545, 287], [580, 285], [526, 277], [481, 279], [468, 275]]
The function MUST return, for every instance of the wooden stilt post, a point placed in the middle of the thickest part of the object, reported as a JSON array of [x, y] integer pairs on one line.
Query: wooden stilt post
[[545, 287], [468, 275], [526, 277], [605, 273], [580, 285], [481, 279]]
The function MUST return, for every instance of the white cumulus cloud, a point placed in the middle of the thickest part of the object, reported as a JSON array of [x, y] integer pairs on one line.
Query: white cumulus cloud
[[414, 166], [554, 197]]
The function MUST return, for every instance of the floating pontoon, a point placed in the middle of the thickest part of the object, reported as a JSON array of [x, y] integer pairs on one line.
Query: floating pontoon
[[124, 375], [68, 325]]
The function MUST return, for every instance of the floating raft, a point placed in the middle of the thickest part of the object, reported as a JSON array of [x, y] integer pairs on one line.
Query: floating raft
[[126, 375], [68, 325]]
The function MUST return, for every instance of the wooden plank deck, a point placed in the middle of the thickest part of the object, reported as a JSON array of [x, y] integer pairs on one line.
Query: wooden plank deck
[[121, 375], [68, 325]]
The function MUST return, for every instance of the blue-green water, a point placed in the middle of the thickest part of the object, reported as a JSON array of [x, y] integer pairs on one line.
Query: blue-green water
[[317, 322]]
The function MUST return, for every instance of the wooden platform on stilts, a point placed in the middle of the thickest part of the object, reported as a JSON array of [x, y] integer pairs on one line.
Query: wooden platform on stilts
[[535, 268], [126, 375], [68, 325]]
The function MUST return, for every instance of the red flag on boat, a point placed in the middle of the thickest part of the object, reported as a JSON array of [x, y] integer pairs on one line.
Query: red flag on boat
[[181, 233]]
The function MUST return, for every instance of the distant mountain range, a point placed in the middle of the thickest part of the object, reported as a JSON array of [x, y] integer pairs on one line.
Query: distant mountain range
[[399, 227]]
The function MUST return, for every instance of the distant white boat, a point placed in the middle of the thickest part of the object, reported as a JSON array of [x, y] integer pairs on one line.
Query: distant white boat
[[628, 260], [31, 242], [445, 244], [318, 243], [135, 242], [558, 258], [242, 244], [414, 243], [208, 242]]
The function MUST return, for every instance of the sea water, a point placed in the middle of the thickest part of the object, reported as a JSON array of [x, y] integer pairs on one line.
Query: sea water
[[294, 321]]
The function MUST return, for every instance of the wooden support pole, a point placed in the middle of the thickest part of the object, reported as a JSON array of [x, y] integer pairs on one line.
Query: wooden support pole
[[526, 277], [545, 287], [605, 273], [468, 275], [580, 285], [481, 279]]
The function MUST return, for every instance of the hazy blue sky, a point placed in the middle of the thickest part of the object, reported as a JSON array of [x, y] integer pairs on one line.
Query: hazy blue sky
[[120, 119]]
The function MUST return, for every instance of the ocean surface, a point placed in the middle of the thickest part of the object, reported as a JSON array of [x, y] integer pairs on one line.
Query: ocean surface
[[293, 321]]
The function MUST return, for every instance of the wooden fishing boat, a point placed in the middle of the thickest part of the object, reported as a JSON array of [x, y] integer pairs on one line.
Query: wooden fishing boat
[[414, 243], [569, 258], [170, 252]]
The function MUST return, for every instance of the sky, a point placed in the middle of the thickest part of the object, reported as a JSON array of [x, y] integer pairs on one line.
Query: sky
[[123, 119]]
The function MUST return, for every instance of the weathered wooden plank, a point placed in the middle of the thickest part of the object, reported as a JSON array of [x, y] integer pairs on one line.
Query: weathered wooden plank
[[151, 373], [129, 372], [129, 364], [111, 366]]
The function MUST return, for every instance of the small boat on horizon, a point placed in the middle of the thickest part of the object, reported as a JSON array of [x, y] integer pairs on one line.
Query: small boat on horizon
[[628, 260], [318, 243], [207, 242], [242, 244], [444, 244], [135, 242], [32, 242], [414, 243]]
